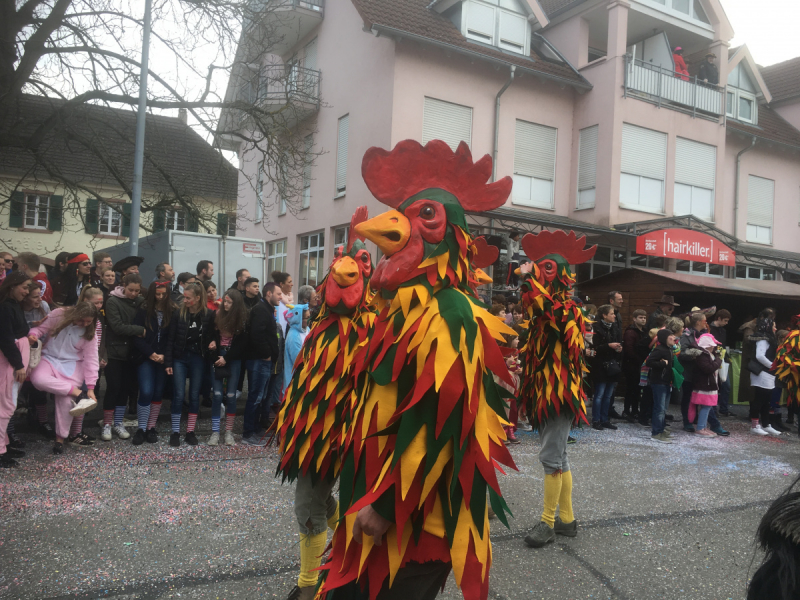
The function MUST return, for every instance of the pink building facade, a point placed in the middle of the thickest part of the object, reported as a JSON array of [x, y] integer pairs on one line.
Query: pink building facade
[[578, 101]]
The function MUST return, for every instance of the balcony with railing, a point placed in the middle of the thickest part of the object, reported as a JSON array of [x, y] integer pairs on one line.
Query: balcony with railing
[[286, 22], [290, 91], [668, 89]]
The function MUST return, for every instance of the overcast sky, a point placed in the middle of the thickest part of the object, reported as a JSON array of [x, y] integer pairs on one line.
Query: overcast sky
[[768, 27]]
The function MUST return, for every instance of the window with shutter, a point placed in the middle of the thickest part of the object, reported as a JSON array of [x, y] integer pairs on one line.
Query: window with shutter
[[109, 219], [16, 215], [512, 31], [451, 123], [760, 202], [534, 164], [587, 166], [481, 22], [341, 156], [695, 179], [92, 215], [222, 224], [643, 169]]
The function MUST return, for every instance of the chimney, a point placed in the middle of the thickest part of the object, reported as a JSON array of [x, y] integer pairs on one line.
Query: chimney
[[182, 115]]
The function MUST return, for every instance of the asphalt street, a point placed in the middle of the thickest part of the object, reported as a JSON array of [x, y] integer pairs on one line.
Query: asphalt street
[[152, 522]]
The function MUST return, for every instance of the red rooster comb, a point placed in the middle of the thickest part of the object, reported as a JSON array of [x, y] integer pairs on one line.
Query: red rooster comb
[[557, 242], [361, 215], [484, 254], [395, 176]]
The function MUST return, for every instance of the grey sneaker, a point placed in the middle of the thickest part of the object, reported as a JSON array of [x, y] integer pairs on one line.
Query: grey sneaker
[[662, 437], [567, 529], [105, 435], [253, 440], [121, 432], [229, 438], [542, 534], [214, 439]]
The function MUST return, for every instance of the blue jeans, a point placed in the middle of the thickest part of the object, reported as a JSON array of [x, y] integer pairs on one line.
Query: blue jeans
[[152, 377], [724, 394], [191, 366], [702, 416], [603, 396], [230, 383], [661, 395], [259, 373], [686, 398]]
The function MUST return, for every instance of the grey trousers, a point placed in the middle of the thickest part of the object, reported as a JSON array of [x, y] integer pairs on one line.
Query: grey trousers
[[554, 433], [313, 505]]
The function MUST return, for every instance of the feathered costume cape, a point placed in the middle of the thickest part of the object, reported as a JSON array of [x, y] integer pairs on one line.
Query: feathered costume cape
[[554, 361], [319, 401], [428, 435], [787, 364]]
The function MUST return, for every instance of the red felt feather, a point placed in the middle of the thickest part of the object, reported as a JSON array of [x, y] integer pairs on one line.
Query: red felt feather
[[537, 246], [484, 254]]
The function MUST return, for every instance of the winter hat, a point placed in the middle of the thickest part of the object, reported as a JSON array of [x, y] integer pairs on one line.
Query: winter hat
[[663, 335]]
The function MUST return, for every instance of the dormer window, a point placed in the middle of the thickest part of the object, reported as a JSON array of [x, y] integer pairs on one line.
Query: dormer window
[[689, 8], [740, 101], [499, 23]]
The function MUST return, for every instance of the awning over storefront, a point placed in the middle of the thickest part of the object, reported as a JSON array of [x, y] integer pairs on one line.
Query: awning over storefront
[[743, 287]]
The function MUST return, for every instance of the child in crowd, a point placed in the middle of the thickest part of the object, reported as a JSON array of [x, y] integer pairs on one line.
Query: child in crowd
[[660, 362], [155, 315], [706, 383], [226, 351], [36, 310], [296, 334]]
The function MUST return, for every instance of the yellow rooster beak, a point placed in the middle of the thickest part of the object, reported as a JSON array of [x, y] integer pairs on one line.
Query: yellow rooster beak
[[481, 277], [390, 231], [344, 271]]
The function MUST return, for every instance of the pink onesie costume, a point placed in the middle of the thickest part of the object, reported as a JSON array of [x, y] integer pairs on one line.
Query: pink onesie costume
[[68, 360], [9, 389]]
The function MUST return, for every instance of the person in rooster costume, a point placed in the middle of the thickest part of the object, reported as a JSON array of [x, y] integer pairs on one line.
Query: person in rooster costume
[[420, 457], [554, 367], [787, 366], [319, 399]]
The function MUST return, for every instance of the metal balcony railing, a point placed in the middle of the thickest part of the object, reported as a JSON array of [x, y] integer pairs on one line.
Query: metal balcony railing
[[667, 88], [282, 84]]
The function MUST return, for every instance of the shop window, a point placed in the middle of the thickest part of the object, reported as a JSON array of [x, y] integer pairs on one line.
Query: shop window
[[762, 273], [648, 262], [700, 268], [606, 260]]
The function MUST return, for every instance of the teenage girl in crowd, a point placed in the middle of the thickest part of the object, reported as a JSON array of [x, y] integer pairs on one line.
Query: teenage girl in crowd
[[69, 360], [188, 340], [36, 309], [156, 316], [212, 302], [14, 355], [109, 283], [227, 349], [121, 309]]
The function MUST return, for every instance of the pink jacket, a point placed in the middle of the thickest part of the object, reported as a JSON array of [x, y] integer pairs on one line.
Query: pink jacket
[[88, 363]]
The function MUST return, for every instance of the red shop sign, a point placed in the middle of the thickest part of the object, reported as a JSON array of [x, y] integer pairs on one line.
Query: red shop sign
[[685, 244]]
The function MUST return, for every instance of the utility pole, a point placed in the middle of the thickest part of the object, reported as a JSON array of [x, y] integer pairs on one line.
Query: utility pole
[[138, 158]]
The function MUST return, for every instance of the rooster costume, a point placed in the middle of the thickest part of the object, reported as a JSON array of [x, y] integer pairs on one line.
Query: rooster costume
[[428, 434], [319, 400], [787, 366], [552, 376]]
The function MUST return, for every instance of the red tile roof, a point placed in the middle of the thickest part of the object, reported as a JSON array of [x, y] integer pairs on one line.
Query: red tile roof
[[783, 79], [771, 126], [413, 17]]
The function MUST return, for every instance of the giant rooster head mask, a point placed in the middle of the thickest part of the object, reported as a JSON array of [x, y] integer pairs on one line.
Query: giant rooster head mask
[[347, 282], [426, 236], [554, 252]]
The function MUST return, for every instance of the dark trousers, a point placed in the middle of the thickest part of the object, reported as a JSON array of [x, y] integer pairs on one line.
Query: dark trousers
[[415, 581], [646, 405], [120, 382], [633, 392], [724, 394], [759, 405]]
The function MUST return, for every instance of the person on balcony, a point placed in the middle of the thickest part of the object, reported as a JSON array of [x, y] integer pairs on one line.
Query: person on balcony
[[680, 65], [708, 70]]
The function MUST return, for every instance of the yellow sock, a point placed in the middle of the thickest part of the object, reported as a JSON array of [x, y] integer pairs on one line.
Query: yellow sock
[[565, 499], [311, 549], [552, 491], [334, 518]]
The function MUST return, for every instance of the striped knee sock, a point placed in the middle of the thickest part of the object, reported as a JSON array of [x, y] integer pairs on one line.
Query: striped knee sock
[[176, 423], [215, 424], [143, 414], [12, 427], [191, 423], [229, 419], [119, 414], [155, 408], [41, 413], [77, 426], [108, 417]]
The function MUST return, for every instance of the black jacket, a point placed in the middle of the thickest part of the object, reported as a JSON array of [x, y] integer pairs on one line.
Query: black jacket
[[237, 349], [708, 72], [635, 347], [251, 302], [660, 373], [154, 341], [689, 353], [13, 326], [120, 330], [176, 345], [705, 367], [263, 336], [600, 341]]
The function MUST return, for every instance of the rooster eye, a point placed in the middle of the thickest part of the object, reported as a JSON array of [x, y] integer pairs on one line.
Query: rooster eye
[[365, 258], [427, 212]]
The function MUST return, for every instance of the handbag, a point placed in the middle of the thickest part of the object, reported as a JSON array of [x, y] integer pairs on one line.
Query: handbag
[[755, 367], [612, 368], [36, 355], [723, 371], [221, 373]]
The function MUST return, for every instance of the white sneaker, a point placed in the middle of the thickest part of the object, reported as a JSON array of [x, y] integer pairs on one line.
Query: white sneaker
[[105, 435], [229, 439], [121, 431], [769, 429], [758, 430], [214, 439], [82, 407]]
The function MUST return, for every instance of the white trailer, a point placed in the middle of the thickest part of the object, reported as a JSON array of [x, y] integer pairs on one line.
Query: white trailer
[[184, 249]]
